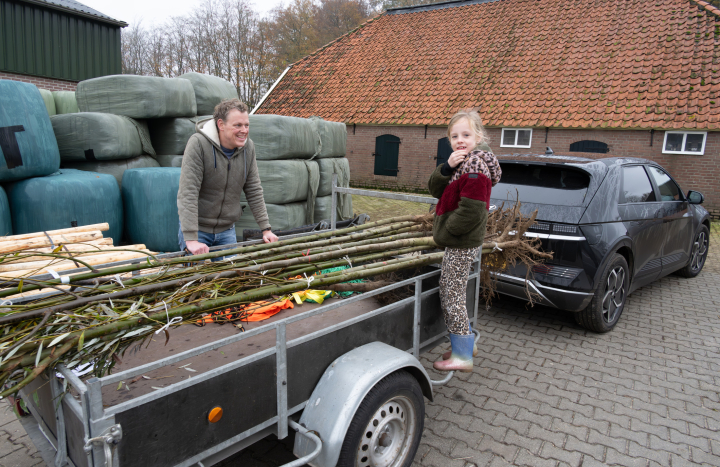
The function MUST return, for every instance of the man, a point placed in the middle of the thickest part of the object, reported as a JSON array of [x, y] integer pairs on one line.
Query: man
[[218, 165]]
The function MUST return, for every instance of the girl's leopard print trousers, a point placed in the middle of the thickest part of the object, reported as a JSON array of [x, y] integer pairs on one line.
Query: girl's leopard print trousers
[[453, 284]]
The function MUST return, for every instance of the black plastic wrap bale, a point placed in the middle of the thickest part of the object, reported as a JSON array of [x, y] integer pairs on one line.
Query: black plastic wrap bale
[[27, 142], [67, 198]]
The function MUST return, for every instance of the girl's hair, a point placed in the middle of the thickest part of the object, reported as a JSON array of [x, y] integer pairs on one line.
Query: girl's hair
[[475, 123]]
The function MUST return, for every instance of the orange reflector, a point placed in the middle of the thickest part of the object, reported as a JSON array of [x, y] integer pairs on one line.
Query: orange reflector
[[215, 415]]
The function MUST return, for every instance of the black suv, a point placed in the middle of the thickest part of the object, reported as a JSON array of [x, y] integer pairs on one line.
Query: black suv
[[612, 224]]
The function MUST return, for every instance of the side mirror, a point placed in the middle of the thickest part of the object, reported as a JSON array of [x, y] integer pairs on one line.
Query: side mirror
[[695, 197]]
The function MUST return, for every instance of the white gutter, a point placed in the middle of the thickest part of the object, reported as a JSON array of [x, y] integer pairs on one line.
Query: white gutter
[[270, 90]]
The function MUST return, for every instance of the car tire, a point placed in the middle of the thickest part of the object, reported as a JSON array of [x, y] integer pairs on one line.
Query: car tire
[[698, 255], [387, 427], [608, 302]]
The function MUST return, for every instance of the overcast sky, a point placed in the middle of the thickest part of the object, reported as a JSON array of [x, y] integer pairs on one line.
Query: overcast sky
[[152, 12]]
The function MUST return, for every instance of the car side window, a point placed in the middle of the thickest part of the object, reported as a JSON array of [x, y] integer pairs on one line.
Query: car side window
[[636, 185], [669, 190]]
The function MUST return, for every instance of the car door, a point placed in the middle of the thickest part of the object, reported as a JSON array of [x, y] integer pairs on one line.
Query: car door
[[641, 212], [677, 221]]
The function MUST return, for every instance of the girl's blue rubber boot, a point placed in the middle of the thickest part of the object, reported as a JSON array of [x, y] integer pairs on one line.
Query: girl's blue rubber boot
[[461, 358], [447, 354]]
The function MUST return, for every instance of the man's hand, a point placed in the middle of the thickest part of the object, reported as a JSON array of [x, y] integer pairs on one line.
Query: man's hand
[[457, 157], [269, 237], [197, 248]]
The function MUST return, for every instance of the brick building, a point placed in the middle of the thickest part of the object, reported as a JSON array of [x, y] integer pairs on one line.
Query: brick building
[[584, 77], [54, 44]]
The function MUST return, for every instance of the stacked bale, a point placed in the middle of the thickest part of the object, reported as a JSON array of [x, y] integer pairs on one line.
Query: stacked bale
[[65, 102], [331, 159], [49, 101]]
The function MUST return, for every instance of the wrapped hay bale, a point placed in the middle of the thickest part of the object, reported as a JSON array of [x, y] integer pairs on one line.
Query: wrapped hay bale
[[115, 168], [137, 96], [91, 136], [278, 137], [328, 167], [170, 135], [67, 198], [170, 161], [333, 137], [29, 147], [288, 181], [65, 102], [323, 208], [47, 97], [209, 91], [5, 216], [154, 224], [282, 217]]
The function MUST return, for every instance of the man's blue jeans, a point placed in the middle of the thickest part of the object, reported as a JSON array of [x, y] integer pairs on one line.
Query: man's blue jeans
[[225, 237]]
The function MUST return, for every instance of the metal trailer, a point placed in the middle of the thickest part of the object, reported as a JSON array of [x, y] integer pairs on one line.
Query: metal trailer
[[331, 385]]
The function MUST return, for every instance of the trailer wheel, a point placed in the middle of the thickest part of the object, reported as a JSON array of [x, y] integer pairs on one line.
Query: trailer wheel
[[388, 425]]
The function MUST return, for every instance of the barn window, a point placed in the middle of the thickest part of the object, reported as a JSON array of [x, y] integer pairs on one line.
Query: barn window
[[516, 137], [387, 148], [444, 151], [590, 146], [684, 142]]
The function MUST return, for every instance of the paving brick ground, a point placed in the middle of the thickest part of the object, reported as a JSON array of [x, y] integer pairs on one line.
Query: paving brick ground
[[546, 392]]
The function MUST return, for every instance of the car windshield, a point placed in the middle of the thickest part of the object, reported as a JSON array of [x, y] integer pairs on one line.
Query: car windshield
[[542, 184]]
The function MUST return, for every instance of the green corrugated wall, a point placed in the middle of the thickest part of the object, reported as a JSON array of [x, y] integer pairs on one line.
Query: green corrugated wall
[[44, 42]]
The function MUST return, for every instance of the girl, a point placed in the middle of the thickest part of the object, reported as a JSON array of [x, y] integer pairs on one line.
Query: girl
[[463, 186]]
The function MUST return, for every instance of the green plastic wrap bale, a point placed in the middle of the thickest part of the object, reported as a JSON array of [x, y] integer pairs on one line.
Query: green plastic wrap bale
[[114, 168], [49, 101], [170, 135], [27, 143], [328, 167], [150, 201], [282, 217], [278, 137], [65, 102], [287, 181], [170, 161], [209, 91], [137, 96], [5, 217], [333, 137], [323, 208], [67, 198], [92, 136]]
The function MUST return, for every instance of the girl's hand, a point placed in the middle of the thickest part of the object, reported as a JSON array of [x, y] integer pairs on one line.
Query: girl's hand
[[457, 157]]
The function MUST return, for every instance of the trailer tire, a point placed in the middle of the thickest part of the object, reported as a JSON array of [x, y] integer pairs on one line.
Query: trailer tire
[[387, 426]]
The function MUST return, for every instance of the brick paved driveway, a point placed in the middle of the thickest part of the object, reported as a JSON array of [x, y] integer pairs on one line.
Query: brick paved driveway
[[545, 392]]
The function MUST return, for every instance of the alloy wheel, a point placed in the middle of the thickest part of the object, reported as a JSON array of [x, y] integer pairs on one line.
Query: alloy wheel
[[614, 297], [389, 435], [699, 251]]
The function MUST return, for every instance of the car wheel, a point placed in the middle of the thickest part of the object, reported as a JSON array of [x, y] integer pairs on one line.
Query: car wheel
[[388, 425], [699, 252], [608, 302]]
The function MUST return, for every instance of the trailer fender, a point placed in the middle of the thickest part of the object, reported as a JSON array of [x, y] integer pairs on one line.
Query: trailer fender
[[342, 388]]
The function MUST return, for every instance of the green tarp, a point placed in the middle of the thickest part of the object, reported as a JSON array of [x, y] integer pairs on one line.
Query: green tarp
[[209, 91], [333, 137], [5, 217], [169, 136], [278, 137], [323, 207], [115, 168], [282, 217], [49, 101], [31, 149], [65, 199], [90, 136], [65, 102], [170, 161], [328, 167], [137, 96]]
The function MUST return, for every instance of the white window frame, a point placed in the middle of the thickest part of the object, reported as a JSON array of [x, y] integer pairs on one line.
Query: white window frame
[[516, 137], [685, 133]]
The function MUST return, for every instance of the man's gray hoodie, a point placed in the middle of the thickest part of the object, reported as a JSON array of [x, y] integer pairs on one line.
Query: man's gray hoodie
[[211, 184]]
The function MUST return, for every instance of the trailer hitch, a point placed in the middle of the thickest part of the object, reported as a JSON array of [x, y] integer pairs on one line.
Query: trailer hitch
[[108, 439]]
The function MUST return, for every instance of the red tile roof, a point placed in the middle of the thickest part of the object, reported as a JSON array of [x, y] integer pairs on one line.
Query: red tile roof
[[527, 63]]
